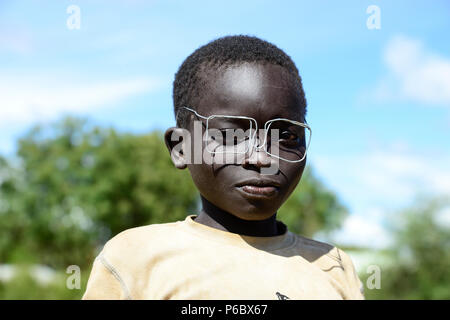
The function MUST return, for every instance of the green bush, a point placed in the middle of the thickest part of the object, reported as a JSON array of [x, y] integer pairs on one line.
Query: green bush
[[24, 287], [421, 255]]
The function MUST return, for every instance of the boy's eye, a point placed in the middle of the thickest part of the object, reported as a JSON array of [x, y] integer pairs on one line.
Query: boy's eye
[[287, 135], [289, 139]]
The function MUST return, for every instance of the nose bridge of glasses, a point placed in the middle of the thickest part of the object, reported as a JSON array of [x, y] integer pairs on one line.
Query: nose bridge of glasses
[[262, 136], [259, 139]]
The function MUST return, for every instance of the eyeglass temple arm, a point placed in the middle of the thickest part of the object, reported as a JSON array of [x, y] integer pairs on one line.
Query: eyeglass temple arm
[[195, 112]]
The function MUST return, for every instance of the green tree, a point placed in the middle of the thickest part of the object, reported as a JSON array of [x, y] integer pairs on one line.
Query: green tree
[[420, 254], [76, 186]]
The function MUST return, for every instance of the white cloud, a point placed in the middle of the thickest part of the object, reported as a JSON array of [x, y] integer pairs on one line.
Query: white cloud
[[414, 74], [364, 230], [405, 174], [391, 176], [16, 40], [443, 217], [377, 184], [31, 98]]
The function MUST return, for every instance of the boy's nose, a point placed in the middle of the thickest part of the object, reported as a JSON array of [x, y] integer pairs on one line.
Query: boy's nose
[[257, 157]]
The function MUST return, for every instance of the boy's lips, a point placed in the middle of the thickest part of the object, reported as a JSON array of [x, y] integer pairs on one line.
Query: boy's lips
[[258, 188]]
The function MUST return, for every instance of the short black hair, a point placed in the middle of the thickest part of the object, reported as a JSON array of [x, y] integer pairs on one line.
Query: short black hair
[[226, 51]]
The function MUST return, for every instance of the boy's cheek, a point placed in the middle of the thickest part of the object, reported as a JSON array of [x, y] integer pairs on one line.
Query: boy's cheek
[[202, 175], [294, 174]]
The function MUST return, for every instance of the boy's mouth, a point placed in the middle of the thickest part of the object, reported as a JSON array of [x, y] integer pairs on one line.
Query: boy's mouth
[[258, 188]]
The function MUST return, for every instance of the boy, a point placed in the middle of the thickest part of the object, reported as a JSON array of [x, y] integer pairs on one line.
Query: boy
[[234, 248]]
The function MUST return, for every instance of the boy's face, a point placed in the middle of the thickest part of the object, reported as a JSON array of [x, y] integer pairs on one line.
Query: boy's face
[[262, 92]]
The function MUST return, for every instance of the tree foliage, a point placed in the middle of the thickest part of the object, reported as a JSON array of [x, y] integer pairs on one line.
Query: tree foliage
[[77, 186], [420, 254]]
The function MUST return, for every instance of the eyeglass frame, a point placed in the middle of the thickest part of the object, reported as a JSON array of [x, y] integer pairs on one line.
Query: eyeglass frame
[[253, 139]]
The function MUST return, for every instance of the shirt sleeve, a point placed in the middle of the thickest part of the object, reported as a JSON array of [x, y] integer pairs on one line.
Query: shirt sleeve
[[355, 288], [104, 282]]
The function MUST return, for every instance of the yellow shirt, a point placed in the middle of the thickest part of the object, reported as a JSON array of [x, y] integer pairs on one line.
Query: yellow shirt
[[188, 260]]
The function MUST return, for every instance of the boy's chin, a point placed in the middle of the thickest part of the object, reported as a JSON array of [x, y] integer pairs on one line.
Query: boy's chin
[[251, 208]]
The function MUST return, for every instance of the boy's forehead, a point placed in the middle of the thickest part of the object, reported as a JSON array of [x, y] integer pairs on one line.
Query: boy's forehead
[[260, 91]]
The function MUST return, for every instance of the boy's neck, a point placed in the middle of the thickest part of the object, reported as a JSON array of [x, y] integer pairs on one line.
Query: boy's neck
[[215, 217]]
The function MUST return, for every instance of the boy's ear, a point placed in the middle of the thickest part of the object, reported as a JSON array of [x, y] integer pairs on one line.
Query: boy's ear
[[178, 142]]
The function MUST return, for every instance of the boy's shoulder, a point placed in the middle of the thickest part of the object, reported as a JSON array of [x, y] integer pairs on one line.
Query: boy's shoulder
[[135, 238], [323, 254], [127, 251], [334, 261]]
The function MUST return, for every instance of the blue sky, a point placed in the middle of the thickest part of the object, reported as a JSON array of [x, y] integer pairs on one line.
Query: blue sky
[[378, 100]]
